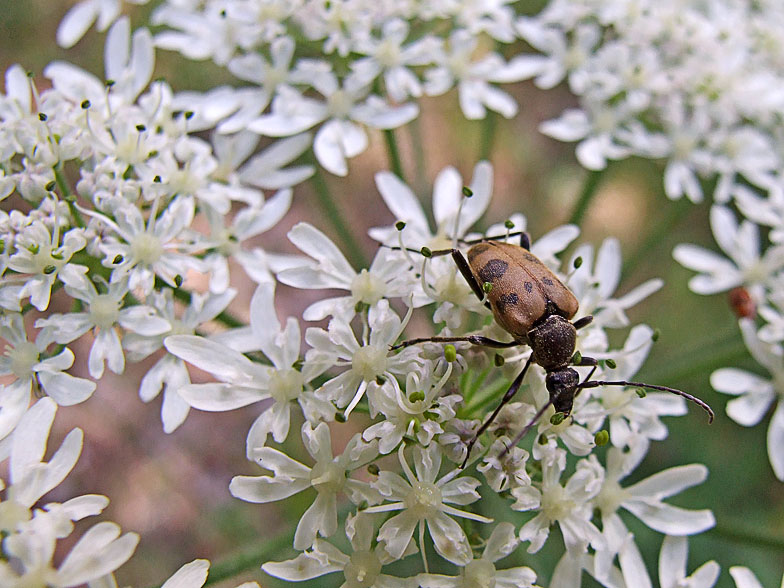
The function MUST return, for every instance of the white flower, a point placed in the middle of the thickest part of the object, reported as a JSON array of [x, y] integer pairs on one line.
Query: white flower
[[645, 500], [424, 501], [143, 249], [388, 55], [328, 476], [633, 420], [570, 505], [473, 77], [361, 568], [245, 382], [481, 572], [169, 372], [23, 359], [741, 243], [672, 567], [104, 314], [331, 270], [755, 394], [454, 213], [43, 256], [30, 535], [226, 241], [344, 106], [416, 412], [372, 366]]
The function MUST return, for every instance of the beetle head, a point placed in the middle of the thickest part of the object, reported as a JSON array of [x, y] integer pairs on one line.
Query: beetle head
[[562, 384], [553, 342]]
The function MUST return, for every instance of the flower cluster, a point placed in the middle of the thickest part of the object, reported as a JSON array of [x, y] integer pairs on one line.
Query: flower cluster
[[697, 85], [425, 404], [337, 67], [126, 192]]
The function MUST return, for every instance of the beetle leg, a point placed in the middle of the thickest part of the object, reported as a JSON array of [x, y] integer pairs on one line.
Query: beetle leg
[[465, 269], [504, 401], [473, 339], [585, 361], [527, 428], [583, 322]]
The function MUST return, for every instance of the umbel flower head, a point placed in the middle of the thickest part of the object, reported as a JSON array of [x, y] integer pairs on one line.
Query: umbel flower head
[[425, 401]]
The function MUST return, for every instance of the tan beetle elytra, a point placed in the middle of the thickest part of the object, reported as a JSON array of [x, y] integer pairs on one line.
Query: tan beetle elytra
[[530, 303]]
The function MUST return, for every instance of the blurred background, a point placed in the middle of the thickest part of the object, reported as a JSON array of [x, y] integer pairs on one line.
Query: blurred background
[[173, 489]]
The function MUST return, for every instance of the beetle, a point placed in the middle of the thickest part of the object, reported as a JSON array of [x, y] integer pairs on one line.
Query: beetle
[[530, 303], [741, 303]]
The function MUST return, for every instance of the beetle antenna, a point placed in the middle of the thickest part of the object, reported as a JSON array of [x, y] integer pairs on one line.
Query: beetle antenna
[[527, 428], [687, 396]]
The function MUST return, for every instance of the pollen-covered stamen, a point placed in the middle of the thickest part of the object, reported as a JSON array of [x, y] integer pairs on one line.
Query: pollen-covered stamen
[[362, 570]]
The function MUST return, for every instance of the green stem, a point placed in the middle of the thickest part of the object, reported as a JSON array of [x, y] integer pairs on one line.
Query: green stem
[[67, 196], [336, 219], [675, 214], [487, 136], [741, 533], [394, 153], [589, 190], [493, 394], [420, 172]]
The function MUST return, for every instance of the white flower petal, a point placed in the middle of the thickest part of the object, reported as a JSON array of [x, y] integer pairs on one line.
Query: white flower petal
[[776, 441], [191, 575]]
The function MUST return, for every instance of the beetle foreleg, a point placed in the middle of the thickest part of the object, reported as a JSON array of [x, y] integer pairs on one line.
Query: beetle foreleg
[[473, 339], [504, 401]]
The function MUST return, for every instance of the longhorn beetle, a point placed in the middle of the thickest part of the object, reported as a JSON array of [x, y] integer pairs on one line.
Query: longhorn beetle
[[530, 303]]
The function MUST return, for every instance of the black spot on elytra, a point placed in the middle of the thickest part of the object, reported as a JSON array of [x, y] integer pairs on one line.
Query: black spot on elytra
[[492, 270], [547, 281], [477, 250], [506, 299], [531, 257], [529, 287]]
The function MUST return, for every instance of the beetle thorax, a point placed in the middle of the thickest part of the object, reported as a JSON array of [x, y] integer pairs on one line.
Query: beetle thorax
[[553, 342]]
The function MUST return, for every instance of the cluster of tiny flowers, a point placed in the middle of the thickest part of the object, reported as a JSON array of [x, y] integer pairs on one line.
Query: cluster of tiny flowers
[[118, 175], [423, 403], [116, 178], [697, 85], [338, 67], [109, 182], [31, 530]]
